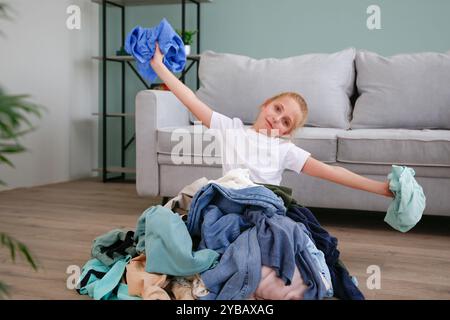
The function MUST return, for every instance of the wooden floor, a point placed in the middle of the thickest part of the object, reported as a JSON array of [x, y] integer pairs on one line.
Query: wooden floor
[[59, 221]]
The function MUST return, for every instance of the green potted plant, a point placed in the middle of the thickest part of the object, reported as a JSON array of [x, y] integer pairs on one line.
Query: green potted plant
[[187, 37], [14, 123]]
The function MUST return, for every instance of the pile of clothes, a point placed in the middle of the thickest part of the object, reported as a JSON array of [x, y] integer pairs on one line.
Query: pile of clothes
[[227, 239]]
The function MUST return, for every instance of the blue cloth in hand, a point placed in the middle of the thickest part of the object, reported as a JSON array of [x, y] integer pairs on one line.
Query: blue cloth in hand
[[141, 44], [409, 203]]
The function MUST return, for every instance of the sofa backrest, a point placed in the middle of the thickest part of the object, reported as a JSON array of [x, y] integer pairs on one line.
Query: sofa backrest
[[237, 85], [410, 91]]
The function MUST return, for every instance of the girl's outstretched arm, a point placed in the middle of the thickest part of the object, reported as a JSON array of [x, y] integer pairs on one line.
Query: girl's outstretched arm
[[345, 177], [202, 111]]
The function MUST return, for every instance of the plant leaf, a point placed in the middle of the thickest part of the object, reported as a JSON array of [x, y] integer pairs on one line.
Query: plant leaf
[[9, 242], [12, 244], [23, 248], [14, 111], [7, 161], [4, 290], [14, 148]]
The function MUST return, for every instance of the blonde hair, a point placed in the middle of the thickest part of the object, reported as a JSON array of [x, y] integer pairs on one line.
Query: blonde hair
[[301, 103]]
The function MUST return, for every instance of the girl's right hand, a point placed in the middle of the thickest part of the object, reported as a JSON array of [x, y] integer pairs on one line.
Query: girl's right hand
[[157, 57]]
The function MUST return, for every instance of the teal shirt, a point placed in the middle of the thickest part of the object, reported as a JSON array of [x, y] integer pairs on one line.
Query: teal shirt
[[109, 239], [108, 286], [168, 244], [409, 203]]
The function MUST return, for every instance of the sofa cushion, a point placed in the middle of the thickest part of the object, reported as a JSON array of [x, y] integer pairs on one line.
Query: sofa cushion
[[403, 91], [320, 142], [236, 85], [395, 146]]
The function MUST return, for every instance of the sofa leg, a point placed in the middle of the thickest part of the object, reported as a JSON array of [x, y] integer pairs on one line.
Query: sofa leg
[[164, 200]]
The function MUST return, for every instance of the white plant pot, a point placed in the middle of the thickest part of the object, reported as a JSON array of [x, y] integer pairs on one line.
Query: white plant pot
[[187, 49]]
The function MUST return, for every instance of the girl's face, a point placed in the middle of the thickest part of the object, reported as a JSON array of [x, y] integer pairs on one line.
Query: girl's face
[[279, 117]]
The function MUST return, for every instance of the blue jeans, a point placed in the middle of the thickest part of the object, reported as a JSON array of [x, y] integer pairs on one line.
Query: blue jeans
[[232, 201], [343, 286], [220, 215]]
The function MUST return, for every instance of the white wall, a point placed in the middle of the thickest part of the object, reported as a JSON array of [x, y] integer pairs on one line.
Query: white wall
[[40, 56]]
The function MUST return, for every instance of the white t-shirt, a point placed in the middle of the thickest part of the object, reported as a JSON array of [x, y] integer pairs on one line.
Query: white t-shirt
[[265, 157]]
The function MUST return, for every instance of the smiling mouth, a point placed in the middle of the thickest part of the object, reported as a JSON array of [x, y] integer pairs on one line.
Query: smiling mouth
[[269, 125]]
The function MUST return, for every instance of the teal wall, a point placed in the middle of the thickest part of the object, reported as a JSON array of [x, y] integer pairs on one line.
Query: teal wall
[[266, 28], [282, 28]]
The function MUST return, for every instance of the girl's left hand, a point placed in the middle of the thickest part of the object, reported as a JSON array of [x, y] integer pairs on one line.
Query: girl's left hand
[[386, 191]]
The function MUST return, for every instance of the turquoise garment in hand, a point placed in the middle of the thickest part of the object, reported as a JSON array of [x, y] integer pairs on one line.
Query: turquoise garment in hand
[[409, 203]]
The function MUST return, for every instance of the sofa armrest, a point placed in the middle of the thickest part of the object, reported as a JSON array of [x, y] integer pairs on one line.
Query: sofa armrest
[[154, 109]]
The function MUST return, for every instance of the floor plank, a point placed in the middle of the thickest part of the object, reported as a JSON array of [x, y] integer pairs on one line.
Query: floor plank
[[58, 223]]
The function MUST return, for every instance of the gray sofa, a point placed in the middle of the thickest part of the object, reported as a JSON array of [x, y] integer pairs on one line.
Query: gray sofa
[[366, 112]]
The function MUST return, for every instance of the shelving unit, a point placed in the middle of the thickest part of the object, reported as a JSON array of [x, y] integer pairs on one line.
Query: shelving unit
[[104, 115]]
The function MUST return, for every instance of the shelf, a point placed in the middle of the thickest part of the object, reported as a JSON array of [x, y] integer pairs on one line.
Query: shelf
[[116, 170], [127, 61], [114, 114], [195, 57], [147, 2]]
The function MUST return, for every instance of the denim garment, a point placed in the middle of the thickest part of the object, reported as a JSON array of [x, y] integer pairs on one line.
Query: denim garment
[[343, 286], [219, 230], [232, 201], [282, 244], [168, 245], [346, 285], [239, 270], [141, 44], [319, 260]]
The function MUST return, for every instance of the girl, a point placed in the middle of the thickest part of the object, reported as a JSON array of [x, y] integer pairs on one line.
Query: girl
[[279, 116]]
